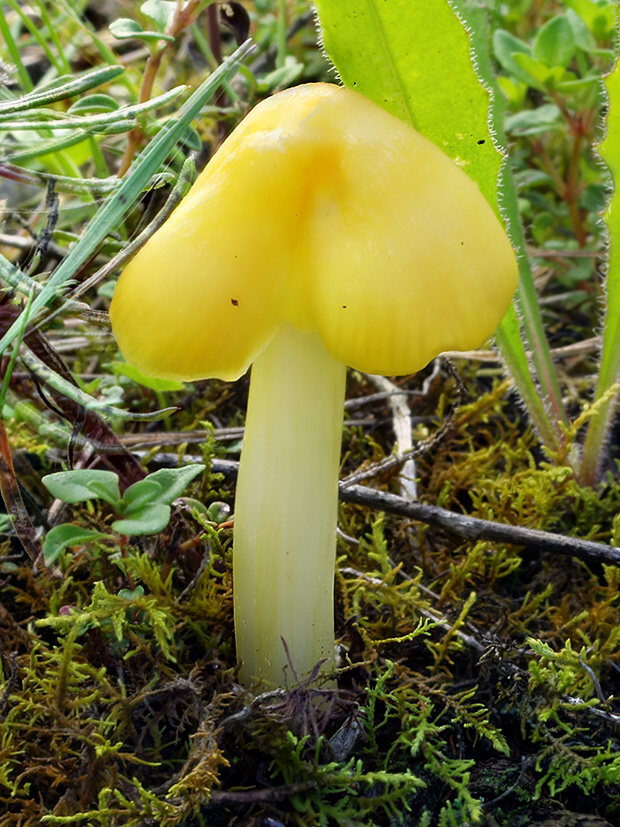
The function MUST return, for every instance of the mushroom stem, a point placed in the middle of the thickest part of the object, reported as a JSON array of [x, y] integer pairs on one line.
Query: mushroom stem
[[286, 509]]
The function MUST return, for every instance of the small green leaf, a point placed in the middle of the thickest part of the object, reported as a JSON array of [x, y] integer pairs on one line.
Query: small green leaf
[[64, 536], [61, 89], [83, 484], [283, 76], [124, 28], [94, 104], [173, 481], [590, 83], [541, 76], [144, 492], [505, 47], [584, 38], [599, 17], [131, 594], [196, 505], [161, 12], [150, 520], [554, 44], [534, 121], [192, 140]]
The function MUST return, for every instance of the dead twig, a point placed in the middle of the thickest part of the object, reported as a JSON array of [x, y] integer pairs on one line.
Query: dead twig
[[460, 525], [473, 528]]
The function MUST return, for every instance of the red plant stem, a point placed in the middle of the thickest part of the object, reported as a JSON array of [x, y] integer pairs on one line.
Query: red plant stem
[[215, 41], [570, 188]]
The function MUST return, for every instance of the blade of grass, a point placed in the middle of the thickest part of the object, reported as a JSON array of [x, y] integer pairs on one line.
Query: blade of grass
[[545, 407], [51, 31], [51, 146], [23, 319], [609, 370], [15, 54], [41, 36], [281, 34]]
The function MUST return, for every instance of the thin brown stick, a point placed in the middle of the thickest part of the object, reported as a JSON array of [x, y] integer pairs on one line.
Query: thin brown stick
[[268, 795], [473, 528], [460, 525]]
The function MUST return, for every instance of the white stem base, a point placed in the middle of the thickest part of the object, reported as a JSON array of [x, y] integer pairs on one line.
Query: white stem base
[[286, 510]]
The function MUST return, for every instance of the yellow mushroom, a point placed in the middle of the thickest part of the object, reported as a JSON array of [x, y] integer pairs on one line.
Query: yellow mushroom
[[323, 233]]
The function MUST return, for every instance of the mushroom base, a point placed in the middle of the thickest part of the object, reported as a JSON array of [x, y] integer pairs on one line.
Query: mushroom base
[[286, 511]]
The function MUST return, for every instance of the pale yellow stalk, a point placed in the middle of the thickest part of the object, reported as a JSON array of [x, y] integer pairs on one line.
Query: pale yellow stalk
[[286, 510]]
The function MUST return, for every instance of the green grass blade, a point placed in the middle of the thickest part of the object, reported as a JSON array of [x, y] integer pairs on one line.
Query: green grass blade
[[16, 279], [51, 31], [120, 202], [40, 36], [609, 369], [56, 145], [14, 53], [545, 407]]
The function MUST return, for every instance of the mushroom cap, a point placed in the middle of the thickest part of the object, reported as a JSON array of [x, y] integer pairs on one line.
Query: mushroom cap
[[323, 211]]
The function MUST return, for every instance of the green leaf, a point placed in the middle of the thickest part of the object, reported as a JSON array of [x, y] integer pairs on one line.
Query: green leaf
[[149, 520], [67, 388], [124, 369], [283, 76], [413, 59], [173, 481], [161, 12], [540, 75], [505, 47], [584, 38], [609, 369], [65, 536], [94, 104], [47, 147], [192, 140], [124, 28], [534, 121], [555, 44], [131, 594], [144, 492], [83, 484], [599, 17]]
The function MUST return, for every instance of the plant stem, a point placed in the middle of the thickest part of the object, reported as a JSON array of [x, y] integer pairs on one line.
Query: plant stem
[[183, 17], [286, 509]]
